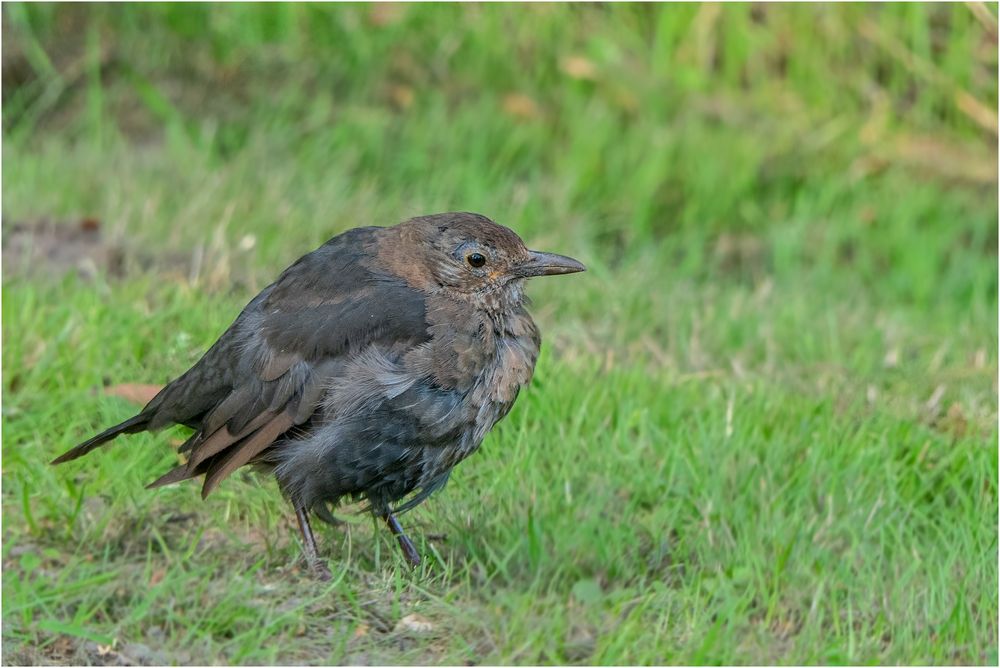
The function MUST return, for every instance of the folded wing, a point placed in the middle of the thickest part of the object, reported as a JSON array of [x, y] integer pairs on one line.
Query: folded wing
[[269, 371]]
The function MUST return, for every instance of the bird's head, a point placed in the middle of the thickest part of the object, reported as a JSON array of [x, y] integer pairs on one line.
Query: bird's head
[[473, 258]]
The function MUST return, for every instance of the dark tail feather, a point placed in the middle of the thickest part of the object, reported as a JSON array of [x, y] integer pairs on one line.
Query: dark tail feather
[[131, 426], [175, 474], [183, 472]]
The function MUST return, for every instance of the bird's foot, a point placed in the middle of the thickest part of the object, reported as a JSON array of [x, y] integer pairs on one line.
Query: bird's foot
[[320, 570], [318, 567]]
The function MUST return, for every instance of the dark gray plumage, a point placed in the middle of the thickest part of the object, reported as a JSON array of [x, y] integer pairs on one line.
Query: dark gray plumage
[[369, 369]]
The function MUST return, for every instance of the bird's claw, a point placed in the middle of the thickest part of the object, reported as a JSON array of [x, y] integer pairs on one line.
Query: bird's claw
[[320, 570]]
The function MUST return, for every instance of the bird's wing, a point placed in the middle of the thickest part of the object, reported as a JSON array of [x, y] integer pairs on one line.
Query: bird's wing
[[284, 350]]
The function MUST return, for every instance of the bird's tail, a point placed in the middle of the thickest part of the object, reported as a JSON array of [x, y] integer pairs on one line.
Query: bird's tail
[[131, 426]]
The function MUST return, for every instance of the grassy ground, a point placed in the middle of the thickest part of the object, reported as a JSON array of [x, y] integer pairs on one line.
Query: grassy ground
[[763, 427]]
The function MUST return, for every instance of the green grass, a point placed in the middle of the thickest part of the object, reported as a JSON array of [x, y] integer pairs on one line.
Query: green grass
[[763, 427]]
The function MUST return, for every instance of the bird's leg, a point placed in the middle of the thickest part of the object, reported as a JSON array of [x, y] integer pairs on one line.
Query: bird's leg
[[316, 565], [405, 544]]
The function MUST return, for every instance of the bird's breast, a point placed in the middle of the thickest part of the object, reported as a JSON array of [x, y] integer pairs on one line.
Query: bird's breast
[[515, 347], [483, 358]]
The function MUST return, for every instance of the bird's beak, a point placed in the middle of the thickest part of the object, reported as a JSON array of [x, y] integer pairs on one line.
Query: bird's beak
[[549, 264]]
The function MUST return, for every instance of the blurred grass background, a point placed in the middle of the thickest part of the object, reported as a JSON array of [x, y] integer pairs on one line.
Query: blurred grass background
[[763, 428]]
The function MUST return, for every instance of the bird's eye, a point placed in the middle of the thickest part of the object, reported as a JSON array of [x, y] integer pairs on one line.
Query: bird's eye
[[476, 259]]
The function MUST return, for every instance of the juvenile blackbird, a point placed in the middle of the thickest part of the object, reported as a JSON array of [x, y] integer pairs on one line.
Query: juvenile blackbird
[[368, 370]]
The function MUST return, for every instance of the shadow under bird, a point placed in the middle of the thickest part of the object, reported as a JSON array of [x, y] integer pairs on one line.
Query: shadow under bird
[[368, 370]]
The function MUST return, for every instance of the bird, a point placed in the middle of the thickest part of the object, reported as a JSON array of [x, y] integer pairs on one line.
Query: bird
[[367, 371]]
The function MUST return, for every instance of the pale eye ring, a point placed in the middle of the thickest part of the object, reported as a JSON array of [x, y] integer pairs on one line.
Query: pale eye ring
[[475, 259]]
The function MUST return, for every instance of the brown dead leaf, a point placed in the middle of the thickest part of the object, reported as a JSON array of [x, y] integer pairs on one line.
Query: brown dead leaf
[[402, 96], [386, 13], [578, 67], [134, 392], [520, 106], [414, 624], [63, 646]]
